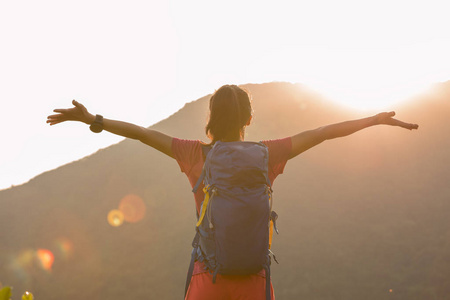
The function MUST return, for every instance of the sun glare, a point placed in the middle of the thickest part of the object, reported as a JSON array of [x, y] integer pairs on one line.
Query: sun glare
[[362, 81], [362, 96], [355, 76]]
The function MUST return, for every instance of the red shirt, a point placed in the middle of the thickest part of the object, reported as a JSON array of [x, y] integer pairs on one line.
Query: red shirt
[[189, 156]]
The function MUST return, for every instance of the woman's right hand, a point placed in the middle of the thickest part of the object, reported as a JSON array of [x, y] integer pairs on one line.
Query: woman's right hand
[[76, 113]]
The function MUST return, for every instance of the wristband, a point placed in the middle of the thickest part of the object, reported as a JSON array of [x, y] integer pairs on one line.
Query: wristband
[[97, 125]]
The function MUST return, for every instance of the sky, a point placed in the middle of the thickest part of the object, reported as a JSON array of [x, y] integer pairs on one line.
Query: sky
[[141, 61]]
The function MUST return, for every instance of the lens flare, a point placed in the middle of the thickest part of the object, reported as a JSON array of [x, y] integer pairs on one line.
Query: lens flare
[[115, 218], [65, 247], [133, 208], [22, 263], [45, 258], [25, 258]]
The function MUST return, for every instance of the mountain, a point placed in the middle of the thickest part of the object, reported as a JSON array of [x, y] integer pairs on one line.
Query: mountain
[[361, 217]]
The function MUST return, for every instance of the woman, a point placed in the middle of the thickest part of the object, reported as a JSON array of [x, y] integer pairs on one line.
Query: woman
[[230, 113]]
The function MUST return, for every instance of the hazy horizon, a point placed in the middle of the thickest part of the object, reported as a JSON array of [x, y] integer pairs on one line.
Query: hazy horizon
[[111, 140]]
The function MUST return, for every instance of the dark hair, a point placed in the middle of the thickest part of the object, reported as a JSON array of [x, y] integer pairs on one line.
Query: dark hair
[[229, 111]]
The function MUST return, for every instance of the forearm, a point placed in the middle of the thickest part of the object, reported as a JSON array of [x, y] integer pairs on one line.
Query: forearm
[[121, 128], [310, 138], [346, 128], [124, 129], [153, 138]]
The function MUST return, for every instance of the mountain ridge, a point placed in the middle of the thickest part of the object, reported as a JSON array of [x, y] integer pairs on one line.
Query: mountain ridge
[[356, 204]]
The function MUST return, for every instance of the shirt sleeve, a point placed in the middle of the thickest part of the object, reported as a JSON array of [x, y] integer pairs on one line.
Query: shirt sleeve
[[187, 153], [279, 151]]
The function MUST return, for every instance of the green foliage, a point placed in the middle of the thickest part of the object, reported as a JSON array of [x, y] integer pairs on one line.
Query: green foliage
[[27, 296], [5, 293]]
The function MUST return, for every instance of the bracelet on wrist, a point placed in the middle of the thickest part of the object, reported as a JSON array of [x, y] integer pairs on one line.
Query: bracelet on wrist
[[97, 125]]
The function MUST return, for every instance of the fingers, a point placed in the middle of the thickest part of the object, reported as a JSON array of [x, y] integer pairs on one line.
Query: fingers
[[57, 118], [78, 104], [53, 116], [399, 123], [66, 110], [387, 115], [387, 118], [76, 113], [52, 120], [51, 123], [413, 126]]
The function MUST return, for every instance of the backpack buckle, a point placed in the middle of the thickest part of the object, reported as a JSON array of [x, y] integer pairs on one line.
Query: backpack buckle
[[274, 257], [274, 217]]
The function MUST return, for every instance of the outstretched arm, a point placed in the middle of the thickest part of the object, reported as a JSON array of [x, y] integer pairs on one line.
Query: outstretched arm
[[150, 137], [308, 139]]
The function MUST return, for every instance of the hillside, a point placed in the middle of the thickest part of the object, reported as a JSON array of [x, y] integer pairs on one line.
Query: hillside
[[359, 216]]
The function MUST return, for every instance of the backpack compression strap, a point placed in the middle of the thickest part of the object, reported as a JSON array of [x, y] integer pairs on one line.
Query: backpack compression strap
[[191, 265], [268, 289]]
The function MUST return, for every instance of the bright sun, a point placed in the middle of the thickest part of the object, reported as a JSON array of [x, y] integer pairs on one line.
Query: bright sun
[[368, 80], [360, 70], [364, 80], [368, 95]]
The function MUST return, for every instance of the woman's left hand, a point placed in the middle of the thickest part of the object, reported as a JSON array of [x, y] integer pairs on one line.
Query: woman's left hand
[[387, 118]]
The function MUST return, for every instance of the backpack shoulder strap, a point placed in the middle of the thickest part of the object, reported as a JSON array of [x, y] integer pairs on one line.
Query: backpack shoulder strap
[[205, 151]]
